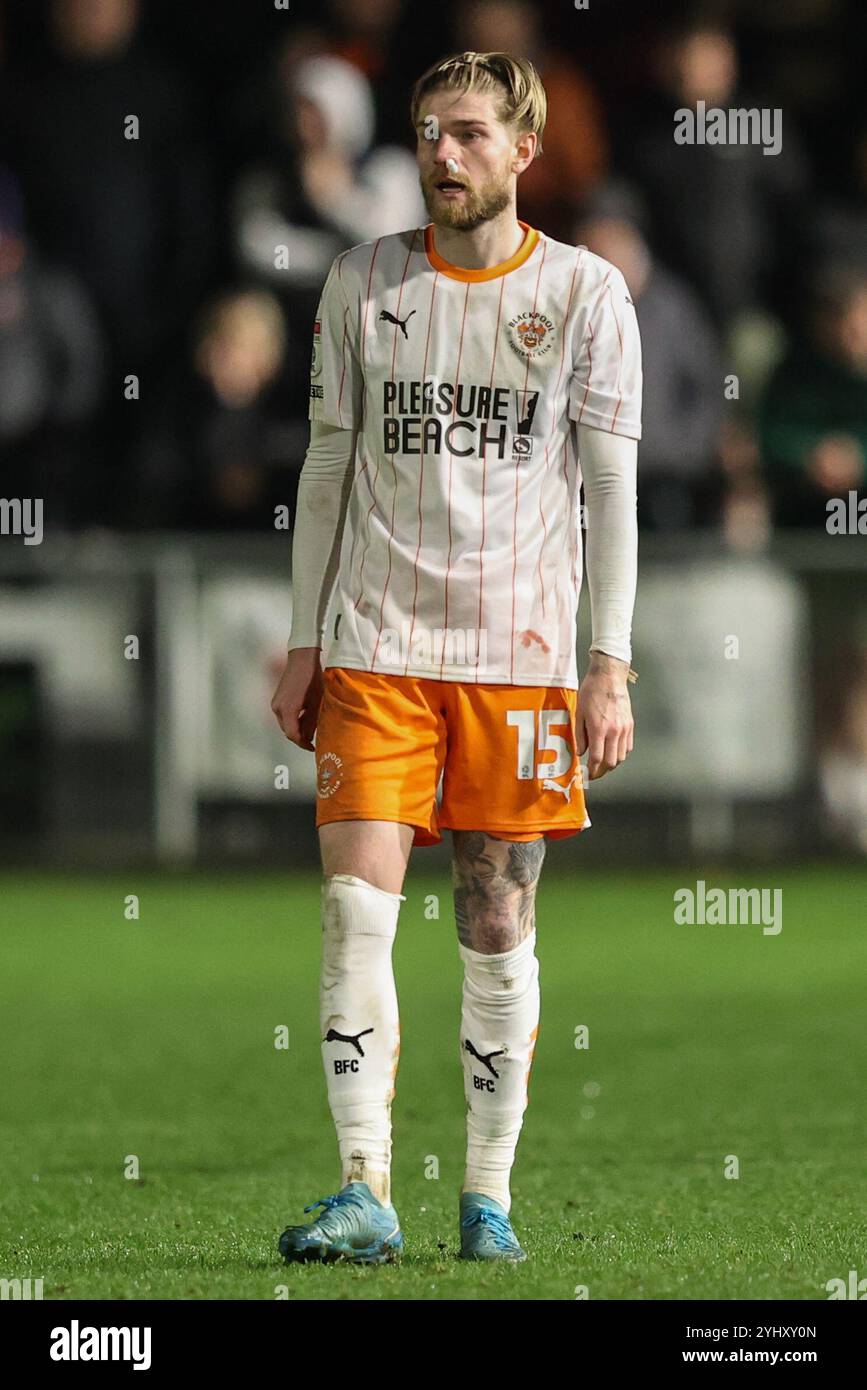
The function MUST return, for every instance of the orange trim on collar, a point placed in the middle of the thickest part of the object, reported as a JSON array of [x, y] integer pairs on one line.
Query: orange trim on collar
[[492, 272]]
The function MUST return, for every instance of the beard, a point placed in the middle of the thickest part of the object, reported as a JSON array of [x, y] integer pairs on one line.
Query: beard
[[480, 205]]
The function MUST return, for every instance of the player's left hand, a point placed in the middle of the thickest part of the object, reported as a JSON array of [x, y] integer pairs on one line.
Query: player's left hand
[[604, 726]]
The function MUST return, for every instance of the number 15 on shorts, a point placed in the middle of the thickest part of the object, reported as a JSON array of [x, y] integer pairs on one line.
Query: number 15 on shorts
[[544, 738]]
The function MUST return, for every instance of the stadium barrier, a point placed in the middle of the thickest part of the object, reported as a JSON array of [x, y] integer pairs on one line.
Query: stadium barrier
[[136, 676]]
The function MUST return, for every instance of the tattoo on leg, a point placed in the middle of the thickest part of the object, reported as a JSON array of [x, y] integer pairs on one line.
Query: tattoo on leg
[[495, 890]]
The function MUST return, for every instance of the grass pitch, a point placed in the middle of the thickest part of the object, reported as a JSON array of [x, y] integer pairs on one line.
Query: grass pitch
[[155, 1039]]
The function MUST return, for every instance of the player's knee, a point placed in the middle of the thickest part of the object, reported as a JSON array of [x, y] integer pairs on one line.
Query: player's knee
[[493, 922], [353, 909], [381, 874], [375, 855], [342, 885]]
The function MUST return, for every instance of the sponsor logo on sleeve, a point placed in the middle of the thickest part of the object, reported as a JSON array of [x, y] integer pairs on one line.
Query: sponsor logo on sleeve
[[316, 355]]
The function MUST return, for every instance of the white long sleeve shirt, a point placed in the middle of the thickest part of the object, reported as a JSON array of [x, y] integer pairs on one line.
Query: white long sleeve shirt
[[465, 409]]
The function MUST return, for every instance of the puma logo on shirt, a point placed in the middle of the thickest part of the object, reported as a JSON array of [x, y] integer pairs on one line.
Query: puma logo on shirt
[[386, 317]]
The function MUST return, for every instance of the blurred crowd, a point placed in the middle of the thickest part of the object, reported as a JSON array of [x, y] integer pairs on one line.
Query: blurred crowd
[[175, 180], [169, 208]]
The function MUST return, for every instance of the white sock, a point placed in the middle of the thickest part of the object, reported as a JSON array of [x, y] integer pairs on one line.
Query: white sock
[[357, 998], [500, 1015]]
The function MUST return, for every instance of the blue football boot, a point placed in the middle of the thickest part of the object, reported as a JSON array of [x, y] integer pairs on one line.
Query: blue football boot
[[354, 1226], [486, 1231]]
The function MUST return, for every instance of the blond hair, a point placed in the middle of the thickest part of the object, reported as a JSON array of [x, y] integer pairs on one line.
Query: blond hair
[[515, 81]]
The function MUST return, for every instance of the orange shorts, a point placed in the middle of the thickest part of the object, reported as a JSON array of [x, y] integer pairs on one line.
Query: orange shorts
[[506, 755]]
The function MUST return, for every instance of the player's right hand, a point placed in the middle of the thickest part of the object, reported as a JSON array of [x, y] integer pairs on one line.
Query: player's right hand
[[298, 696]]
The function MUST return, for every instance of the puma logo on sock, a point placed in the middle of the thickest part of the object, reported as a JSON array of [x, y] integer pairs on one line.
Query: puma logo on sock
[[486, 1059], [333, 1036]]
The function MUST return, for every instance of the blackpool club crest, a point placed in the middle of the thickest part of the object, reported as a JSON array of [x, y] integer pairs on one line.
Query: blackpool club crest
[[531, 334], [329, 774]]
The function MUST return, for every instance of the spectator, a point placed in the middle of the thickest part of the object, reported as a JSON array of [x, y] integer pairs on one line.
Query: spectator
[[379, 39], [51, 368], [325, 189], [320, 190], [216, 455], [839, 231], [724, 215], [813, 419], [683, 381], [574, 146], [132, 217]]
